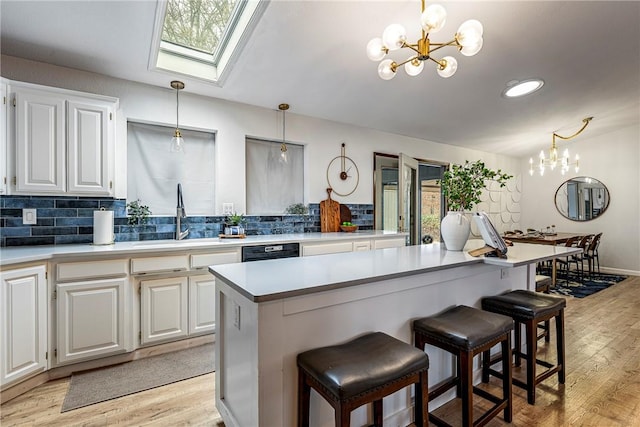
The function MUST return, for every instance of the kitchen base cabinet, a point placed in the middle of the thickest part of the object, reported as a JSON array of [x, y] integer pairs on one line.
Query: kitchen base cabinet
[[163, 309], [91, 319], [23, 326], [202, 305]]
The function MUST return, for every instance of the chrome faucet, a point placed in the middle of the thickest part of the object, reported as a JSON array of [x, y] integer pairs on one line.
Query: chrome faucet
[[180, 214]]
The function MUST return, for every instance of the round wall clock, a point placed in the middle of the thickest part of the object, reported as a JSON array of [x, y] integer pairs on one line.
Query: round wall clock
[[342, 174]]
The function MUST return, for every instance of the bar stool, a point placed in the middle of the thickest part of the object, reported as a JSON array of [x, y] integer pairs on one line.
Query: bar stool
[[543, 284], [362, 371], [530, 308], [465, 332]]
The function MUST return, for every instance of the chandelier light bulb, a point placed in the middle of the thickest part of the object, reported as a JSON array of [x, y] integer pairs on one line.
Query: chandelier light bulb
[[414, 67], [394, 36], [472, 49], [469, 33], [376, 49], [448, 67], [386, 69], [433, 18]]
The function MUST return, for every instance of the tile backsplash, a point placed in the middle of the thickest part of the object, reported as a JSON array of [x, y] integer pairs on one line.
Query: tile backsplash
[[63, 220]]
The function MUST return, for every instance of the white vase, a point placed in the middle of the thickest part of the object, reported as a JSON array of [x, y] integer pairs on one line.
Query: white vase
[[455, 230]]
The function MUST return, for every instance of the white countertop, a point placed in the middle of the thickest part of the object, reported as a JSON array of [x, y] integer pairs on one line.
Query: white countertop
[[17, 255], [265, 281]]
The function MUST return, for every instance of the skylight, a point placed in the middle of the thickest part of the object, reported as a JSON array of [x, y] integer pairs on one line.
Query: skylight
[[200, 37]]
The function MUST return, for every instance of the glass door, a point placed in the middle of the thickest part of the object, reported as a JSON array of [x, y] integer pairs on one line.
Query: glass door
[[409, 198]]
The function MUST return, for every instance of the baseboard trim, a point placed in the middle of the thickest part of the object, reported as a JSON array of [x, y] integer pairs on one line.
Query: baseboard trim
[[619, 271], [66, 371]]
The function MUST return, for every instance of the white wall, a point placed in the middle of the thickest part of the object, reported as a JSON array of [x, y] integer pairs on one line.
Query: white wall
[[233, 121], [613, 159]]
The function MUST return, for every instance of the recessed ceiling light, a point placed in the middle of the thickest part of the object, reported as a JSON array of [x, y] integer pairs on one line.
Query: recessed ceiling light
[[521, 88]]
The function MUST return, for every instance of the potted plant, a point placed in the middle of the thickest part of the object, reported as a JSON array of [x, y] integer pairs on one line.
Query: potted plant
[[234, 224], [462, 186], [138, 213]]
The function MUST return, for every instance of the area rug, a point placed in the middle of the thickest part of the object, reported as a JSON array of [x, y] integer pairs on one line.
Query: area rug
[[588, 286], [87, 388]]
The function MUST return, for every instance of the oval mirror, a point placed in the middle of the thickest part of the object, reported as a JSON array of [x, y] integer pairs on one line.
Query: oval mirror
[[582, 198]]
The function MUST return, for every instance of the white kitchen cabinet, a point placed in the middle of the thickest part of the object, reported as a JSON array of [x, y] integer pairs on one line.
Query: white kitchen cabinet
[[90, 319], [23, 325], [202, 304], [309, 249], [64, 142], [396, 242], [361, 245], [3, 137], [163, 309]]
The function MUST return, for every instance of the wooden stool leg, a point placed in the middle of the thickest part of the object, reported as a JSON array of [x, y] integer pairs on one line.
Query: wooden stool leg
[[560, 345], [486, 364], [547, 333], [343, 416], [304, 395], [518, 342], [530, 336], [459, 385], [377, 413], [466, 383], [421, 414], [506, 378]]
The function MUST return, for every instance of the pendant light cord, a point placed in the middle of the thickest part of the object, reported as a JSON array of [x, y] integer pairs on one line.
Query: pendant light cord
[[177, 107]]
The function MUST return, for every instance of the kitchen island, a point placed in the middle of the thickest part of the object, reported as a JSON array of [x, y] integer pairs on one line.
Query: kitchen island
[[268, 312]]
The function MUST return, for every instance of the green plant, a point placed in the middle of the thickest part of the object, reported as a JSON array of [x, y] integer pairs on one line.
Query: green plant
[[235, 219], [138, 213], [462, 185], [297, 209]]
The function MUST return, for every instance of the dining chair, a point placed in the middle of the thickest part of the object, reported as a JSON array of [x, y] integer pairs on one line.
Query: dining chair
[[566, 261], [591, 253]]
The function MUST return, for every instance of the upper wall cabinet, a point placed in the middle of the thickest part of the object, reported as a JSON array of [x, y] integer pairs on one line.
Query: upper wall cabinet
[[63, 142]]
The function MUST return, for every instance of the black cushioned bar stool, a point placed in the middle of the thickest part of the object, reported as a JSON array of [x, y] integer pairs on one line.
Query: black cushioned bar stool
[[465, 332], [362, 371], [530, 308]]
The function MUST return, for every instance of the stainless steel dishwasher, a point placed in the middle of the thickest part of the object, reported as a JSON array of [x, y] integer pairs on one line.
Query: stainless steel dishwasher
[[262, 252]]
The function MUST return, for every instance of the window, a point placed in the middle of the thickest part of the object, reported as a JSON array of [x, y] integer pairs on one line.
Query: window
[[154, 172], [273, 185], [199, 37]]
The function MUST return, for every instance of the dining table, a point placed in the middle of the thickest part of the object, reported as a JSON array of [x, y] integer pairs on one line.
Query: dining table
[[552, 239]]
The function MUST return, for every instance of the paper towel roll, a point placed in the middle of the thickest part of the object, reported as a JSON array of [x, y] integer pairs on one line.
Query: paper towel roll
[[103, 227]]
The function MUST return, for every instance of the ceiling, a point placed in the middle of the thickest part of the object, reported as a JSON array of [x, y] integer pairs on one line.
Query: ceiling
[[311, 54]]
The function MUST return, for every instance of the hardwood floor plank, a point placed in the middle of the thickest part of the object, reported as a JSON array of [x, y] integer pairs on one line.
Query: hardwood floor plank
[[602, 386]]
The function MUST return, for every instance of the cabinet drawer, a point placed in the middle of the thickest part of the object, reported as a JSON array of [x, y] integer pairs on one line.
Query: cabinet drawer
[[91, 270], [159, 264], [200, 261], [327, 248], [390, 243]]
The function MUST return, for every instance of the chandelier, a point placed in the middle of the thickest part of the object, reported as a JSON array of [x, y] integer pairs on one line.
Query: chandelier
[[468, 39], [554, 159]]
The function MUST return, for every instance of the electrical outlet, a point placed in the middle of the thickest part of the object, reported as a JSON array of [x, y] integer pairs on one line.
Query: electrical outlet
[[227, 208], [504, 273], [29, 216], [236, 315]]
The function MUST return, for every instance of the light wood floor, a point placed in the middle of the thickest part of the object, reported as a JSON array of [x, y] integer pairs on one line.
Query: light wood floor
[[602, 386]]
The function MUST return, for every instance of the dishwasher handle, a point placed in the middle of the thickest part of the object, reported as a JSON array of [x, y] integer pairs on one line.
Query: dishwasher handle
[[276, 248]]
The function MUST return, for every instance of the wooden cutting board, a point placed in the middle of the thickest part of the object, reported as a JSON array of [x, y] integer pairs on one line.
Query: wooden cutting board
[[329, 214]]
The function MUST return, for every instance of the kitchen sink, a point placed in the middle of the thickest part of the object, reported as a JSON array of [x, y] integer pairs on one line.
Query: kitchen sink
[[173, 242]]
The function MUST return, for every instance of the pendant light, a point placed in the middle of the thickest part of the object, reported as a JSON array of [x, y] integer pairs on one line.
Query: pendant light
[[177, 142], [284, 156]]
